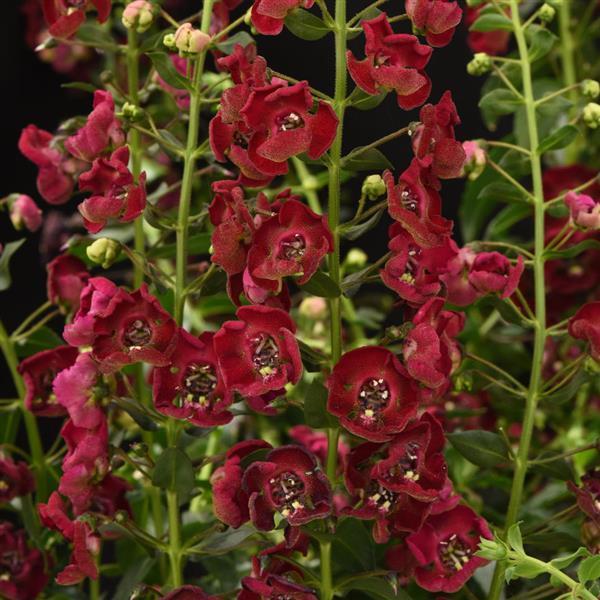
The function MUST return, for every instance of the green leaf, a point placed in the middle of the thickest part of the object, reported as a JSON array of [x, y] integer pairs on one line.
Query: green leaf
[[305, 25], [166, 69], [132, 577], [376, 587], [170, 139], [482, 448], [492, 22], [42, 339], [7, 252], [356, 231], [132, 408], [525, 570], [311, 358], [353, 546], [506, 310], [79, 85], [95, 35], [574, 250], [499, 102], [589, 569], [557, 469], [351, 283], [563, 562], [320, 284], [566, 392], [197, 244], [540, 40], [369, 160], [561, 138], [223, 542], [506, 218], [501, 191], [241, 37], [174, 471], [360, 100], [515, 539], [315, 406]]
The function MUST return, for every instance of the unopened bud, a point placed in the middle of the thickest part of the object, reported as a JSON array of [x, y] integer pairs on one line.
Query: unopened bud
[[104, 252], [591, 115], [591, 366], [590, 88], [169, 41], [139, 449], [138, 15], [24, 212], [131, 112], [373, 187], [356, 258], [189, 40], [492, 550], [313, 308], [546, 13], [121, 516], [480, 64], [475, 161]]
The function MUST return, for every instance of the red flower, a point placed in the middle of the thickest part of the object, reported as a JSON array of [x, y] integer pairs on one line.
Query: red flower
[[289, 482], [434, 142], [55, 175], [292, 242], [588, 494], [245, 67], [558, 180], [445, 549], [230, 500], [64, 17], [101, 130], [371, 393], [413, 272], [285, 125], [15, 479], [67, 276], [116, 195], [134, 328], [268, 16], [585, 325], [416, 204], [180, 96], [394, 62], [39, 371], [24, 212], [585, 210], [23, 568], [187, 592], [436, 18], [491, 42], [191, 386], [258, 354]]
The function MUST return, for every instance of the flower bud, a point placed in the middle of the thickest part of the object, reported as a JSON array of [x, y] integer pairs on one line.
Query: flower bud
[[131, 112], [590, 88], [373, 187], [104, 252], [546, 13], [24, 212], [591, 115], [169, 41], [313, 308], [189, 40], [492, 550], [356, 258], [138, 15], [475, 161], [480, 64]]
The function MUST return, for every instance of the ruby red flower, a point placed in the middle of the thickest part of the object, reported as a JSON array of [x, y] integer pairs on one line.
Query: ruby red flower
[[116, 195], [55, 171], [437, 19], [192, 387], [558, 180], [187, 592], [268, 16], [290, 483], [230, 500], [394, 62], [416, 204], [67, 276], [434, 142], [588, 494], [371, 393], [491, 42], [413, 271], [258, 354], [64, 17], [101, 131], [23, 569], [445, 549], [585, 325], [15, 479], [245, 66], [291, 243], [584, 210], [38, 372]]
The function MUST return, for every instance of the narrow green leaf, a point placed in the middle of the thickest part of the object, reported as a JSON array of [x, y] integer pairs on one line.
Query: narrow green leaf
[[574, 250], [166, 69], [501, 191], [506, 218], [376, 587], [368, 160], [132, 577], [7, 252], [42, 339], [482, 448], [242, 38], [360, 100], [174, 471], [320, 284], [515, 539], [560, 469], [356, 231], [305, 25], [137, 414], [492, 22], [589, 569], [540, 40], [499, 102], [79, 85], [563, 562], [561, 138], [223, 542], [315, 406]]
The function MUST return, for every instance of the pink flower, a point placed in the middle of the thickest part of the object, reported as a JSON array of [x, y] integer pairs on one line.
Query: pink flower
[[394, 62], [66, 16], [187, 592], [268, 16], [585, 210], [585, 325], [24, 212], [436, 18], [67, 277]]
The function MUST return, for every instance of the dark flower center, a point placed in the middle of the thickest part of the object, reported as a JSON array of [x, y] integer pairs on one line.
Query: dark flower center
[[381, 60], [46, 392], [4, 485], [411, 265], [199, 381], [77, 3], [292, 247], [286, 491], [407, 466], [138, 333], [410, 201], [240, 140], [265, 355], [374, 396], [290, 121], [382, 498], [454, 553]]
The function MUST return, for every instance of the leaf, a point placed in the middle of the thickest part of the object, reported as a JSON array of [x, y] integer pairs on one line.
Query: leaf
[[515, 539], [566, 392], [574, 250], [7, 252], [499, 102], [563, 562], [561, 138], [557, 469], [223, 542], [360, 100], [132, 577], [137, 414], [241, 37], [305, 25], [376, 587], [351, 283], [166, 69], [589, 569], [541, 41], [492, 22], [311, 359], [501, 191], [42, 339], [369, 160], [506, 218], [197, 244], [482, 448], [95, 35], [525, 570], [170, 139], [506, 310], [356, 231], [79, 85], [315, 406], [174, 471], [320, 284], [353, 546]]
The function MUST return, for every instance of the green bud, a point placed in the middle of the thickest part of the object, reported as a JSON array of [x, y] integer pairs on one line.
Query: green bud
[[104, 252], [546, 13], [373, 187], [169, 41], [591, 366], [591, 115], [356, 258], [131, 112], [121, 516], [480, 64], [590, 88], [140, 449], [463, 382], [190, 41], [492, 550]]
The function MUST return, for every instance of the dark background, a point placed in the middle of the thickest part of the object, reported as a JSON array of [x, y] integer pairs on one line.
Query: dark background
[[31, 93]]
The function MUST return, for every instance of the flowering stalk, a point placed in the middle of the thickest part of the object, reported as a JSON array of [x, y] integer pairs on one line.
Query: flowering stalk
[[535, 381]]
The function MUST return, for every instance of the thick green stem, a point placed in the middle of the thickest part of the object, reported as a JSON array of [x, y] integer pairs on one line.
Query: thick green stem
[[535, 382], [174, 550], [567, 52]]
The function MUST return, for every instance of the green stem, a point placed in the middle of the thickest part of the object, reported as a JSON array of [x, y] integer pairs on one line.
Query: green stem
[[535, 381], [38, 311], [308, 183], [31, 427], [174, 550], [95, 588], [383, 140], [326, 574]]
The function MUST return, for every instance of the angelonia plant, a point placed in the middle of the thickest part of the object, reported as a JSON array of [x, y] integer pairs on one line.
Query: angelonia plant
[[226, 395]]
